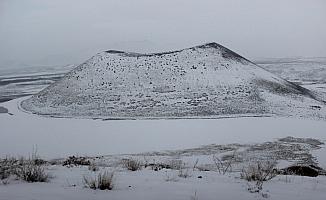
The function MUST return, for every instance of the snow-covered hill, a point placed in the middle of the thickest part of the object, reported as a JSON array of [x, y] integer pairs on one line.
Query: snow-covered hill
[[207, 81]]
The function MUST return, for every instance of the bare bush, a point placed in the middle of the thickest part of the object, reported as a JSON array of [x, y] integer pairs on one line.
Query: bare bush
[[132, 164], [30, 170], [195, 164], [103, 181], [8, 167], [223, 166], [184, 171], [146, 161], [259, 172]]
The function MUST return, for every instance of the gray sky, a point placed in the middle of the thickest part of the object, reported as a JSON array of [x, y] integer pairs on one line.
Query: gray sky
[[59, 32]]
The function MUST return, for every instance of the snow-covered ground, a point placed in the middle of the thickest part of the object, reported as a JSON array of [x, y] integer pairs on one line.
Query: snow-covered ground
[[117, 139], [149, 184], [157, 141]]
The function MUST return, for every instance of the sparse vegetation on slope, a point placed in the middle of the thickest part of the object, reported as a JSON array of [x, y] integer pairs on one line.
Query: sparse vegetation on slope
[[206, 81]]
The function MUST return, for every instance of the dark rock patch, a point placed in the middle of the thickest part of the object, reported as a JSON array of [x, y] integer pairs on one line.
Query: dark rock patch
[[75, 161], [301, 171]]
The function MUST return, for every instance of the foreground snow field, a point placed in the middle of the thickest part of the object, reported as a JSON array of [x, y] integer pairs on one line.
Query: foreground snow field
[[149, 184]]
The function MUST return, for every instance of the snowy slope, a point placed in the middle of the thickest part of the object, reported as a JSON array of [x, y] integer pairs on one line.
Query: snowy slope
[[205, 81]]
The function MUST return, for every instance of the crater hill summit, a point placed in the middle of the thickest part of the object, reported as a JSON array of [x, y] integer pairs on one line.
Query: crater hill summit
[[206, 81]]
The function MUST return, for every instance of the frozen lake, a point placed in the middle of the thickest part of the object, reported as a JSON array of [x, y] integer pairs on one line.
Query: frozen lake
[[55, 137]]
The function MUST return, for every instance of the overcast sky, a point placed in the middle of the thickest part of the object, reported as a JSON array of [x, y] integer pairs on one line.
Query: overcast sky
[[59, 32]]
